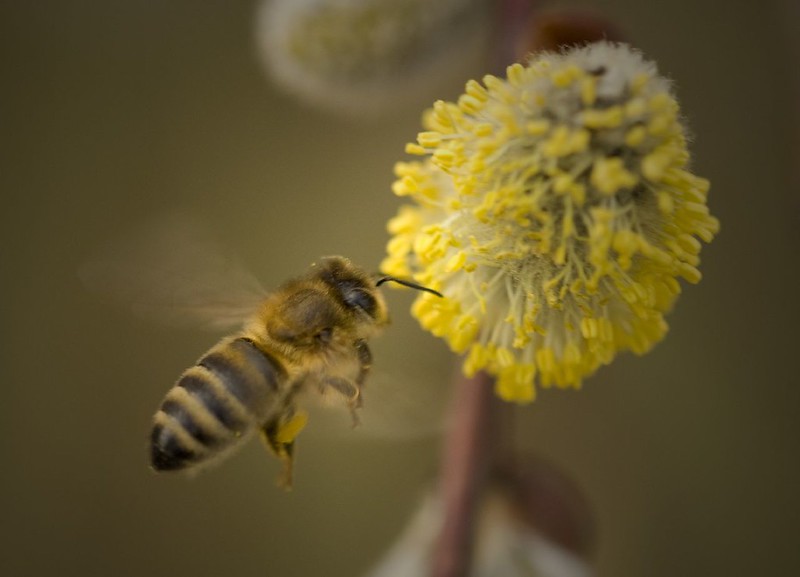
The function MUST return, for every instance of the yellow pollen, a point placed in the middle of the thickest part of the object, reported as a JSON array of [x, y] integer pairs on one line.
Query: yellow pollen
[[557, 224], [607, 118], [610, 175]]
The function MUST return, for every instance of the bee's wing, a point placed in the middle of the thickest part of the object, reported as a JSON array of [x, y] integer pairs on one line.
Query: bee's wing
[[402, 406], [172, 271]]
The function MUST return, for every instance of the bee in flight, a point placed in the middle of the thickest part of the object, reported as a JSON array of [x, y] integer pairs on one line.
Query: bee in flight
[[309, 336]]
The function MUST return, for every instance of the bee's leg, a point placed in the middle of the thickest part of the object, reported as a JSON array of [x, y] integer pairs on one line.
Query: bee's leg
[[353, 390], [278, 435], [349, 390], [365, 361]]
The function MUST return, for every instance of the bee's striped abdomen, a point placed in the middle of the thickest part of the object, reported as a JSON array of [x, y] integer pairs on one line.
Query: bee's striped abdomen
[[215, 403]]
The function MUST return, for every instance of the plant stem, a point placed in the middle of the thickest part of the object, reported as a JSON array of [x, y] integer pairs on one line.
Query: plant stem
[[465, 463], [512, 20]]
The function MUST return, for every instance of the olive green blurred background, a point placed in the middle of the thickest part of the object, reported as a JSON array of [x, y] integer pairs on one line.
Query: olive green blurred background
[[114, 113]]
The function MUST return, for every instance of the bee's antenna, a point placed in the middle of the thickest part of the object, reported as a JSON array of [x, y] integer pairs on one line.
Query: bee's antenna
[[409, 284]]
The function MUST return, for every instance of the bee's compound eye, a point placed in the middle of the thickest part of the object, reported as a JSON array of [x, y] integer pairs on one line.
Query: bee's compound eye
[[324, 336], [361, 299]]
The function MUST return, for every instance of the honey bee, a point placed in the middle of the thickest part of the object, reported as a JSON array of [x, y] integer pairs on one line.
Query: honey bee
[[308, 337]]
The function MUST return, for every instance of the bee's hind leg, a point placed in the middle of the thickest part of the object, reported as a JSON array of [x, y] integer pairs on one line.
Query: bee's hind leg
[[278, 435]]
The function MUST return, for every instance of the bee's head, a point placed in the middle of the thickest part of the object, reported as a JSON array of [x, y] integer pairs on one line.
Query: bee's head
[[354, 288]]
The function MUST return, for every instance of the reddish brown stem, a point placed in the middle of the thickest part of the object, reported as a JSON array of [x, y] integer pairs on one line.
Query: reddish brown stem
[[465, 463], [513, 18]]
